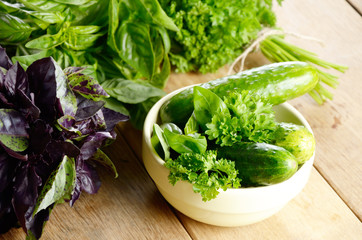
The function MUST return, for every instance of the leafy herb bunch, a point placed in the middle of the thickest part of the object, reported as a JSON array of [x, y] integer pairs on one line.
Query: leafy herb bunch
[[52, 125], [124, 44]]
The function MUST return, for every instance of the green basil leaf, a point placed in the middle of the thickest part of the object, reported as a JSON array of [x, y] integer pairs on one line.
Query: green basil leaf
[[46, 41], [206, 105], [59, 186], [185, 144], [172, 127], [13, 29], [158, 15], [26, 60], [131, 91], [113, 23], [84, 29], [115, 105], [165, 38], [192, 126], [160, 78], [44, 5], [159, 142], [139, 111], [74, 2], [135, 47]]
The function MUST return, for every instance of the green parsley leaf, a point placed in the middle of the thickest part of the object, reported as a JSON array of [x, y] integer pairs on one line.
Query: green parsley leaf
[[207, 173]]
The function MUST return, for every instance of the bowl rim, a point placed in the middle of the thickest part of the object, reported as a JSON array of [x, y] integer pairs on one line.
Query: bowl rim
[[152, 118]]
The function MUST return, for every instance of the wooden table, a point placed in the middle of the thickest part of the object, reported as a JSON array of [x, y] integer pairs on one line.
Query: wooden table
[[329, 207]]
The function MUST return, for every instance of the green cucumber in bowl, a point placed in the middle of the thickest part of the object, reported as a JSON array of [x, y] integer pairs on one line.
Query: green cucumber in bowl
[[276, 83], [260, 164], [296, 139]]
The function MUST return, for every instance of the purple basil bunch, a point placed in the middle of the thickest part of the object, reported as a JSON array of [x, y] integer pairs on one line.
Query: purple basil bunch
[[53, 124]]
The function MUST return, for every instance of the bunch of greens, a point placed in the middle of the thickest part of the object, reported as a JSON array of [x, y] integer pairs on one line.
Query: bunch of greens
[[123, 44], [214, 33], [52, 125], [239, 117]]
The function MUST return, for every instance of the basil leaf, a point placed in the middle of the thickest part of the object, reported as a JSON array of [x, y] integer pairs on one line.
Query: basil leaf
[[172, 127], [73, 2], [151, 9], [206, 105], [44, 5], [131, 91], [103, 159], [13, 29], [115, 105], [139, 111], [185, 144], [59, 185], [67, 99], [13, 132], [86, 86], [192, 125], [159, 142], [160, 79], [135, 47], [47, 41]]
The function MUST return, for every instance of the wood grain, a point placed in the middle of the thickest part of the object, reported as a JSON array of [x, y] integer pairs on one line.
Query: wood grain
[[336, 124], [357, 4], [316, 213], [129, 207]]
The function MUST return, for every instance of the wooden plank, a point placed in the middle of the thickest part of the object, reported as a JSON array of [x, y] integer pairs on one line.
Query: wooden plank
[[336, 124], [357, 4], [316, 213], [129, 207]]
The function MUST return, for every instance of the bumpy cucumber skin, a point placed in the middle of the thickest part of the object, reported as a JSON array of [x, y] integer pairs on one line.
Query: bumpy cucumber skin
[[260, 163], [276, 82], [296, 139]]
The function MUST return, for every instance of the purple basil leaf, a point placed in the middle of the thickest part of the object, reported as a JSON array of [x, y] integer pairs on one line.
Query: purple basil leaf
[[5, 61], [16, 80], [87, 108], [14, 154], [65, 96], [70, 70], [13, 132], [8, 218], [42, 84], [62, 148], [4, 102], [35, 224], [25, 192], [87, 180], [67, 122], [59, 185], [92, 143], [87, 86], [27, 107], [91, 125], [112, 118], [40, 136], [7, 169]]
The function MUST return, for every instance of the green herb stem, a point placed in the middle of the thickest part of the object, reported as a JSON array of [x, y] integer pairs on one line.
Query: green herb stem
[[276, 49]]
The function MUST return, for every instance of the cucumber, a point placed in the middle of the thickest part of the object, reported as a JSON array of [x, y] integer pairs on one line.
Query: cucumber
[[277, 83], [296, 139], [260, 163]]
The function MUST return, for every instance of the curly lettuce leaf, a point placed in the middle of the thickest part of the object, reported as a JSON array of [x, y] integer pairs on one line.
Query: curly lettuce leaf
[[205, 172]]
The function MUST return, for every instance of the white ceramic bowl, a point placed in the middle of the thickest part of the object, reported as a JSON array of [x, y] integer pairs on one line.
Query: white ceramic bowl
[[233, 207]]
